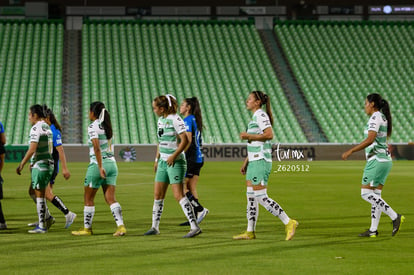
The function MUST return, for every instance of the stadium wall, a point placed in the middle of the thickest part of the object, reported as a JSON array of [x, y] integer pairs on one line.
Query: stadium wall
[[223, 152]]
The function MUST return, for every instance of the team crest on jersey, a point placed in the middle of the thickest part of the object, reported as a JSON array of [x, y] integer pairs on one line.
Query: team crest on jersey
[[128, 154], [44, 127]]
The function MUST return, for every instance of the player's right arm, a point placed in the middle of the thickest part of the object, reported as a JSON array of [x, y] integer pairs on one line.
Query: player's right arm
[[157, 157], [243, 169]]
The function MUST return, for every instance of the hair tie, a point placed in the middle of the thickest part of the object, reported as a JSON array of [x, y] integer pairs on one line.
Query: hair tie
[[102, 115], [266, 98], [169, 99]]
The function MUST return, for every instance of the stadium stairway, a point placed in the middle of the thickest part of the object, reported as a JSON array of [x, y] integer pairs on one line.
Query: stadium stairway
[[294, 95], [72, 88]]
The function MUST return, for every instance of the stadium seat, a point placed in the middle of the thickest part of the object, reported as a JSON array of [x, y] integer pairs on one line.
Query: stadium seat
[[338, 64], [218, 63], [31, 56]]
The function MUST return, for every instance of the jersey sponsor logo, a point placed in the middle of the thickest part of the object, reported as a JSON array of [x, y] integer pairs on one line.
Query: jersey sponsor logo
[[160, 132]]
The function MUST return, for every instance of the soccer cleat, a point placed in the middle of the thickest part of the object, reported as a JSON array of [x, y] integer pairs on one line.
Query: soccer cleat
[[201, 215], [83, 232], [152, 231], [246, 235], [290, 229], [37, 230], [370, 234], [396, 224], [3, 226], [33, 224], [193, 233], [49, 222], [70, 217], [120, 231]]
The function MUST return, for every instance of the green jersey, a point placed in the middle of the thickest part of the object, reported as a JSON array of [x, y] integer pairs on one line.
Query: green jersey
[[378, 149], [168, 129], [258, 149], [43, 136], [96, 131]]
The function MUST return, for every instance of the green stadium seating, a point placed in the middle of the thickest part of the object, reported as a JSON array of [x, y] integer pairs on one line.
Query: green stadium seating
[[126, 65], [31, 59], [338, 64]]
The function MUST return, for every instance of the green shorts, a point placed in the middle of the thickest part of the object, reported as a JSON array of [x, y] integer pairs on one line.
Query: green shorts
[[41, 176], [171, 174], [93, 178], [376, 172], [258, 172]]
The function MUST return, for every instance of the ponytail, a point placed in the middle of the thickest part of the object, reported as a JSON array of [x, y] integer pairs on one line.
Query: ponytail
[[264, 100], [196, 111], [53, 120], [99, 111], [385, 109], [383, 106]]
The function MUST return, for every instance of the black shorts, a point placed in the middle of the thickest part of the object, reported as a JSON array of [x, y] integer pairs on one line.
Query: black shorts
[[193, 169], [55, 172], [2, 149]]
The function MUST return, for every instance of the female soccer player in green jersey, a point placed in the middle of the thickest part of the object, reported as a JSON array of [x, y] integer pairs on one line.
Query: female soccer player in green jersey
[[257, 167], [102, 170], [170, 164], [379, 162], [40, 154], [58, 156]]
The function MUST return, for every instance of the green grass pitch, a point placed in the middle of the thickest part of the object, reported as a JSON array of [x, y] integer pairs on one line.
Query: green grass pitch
[[325, 200]]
